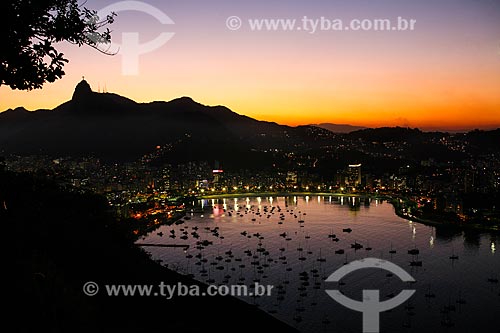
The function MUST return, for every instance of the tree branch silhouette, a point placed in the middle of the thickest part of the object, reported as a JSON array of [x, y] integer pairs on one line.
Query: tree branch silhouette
[[30, 29]]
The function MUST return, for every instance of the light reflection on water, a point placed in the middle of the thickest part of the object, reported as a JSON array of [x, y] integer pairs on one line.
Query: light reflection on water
[[452, 295]]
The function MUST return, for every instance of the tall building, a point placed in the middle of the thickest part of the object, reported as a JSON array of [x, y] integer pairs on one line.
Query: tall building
[[217, 174], [354, 175], [291, 178]]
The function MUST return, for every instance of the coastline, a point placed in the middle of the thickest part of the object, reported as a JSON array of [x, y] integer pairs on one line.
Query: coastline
[[288, 194], [433, 223], [391, 200], [236, 303], [168, 221], [84, 243]]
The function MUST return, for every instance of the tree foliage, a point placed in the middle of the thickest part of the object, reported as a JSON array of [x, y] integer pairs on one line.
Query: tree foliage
[[31, 28]]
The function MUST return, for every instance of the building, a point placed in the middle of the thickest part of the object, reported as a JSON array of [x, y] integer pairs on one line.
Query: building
[[291, 178], [354, 175], [217, 174]]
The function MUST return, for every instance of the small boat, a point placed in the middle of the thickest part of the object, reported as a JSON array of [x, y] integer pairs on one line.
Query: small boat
[[416, 262], [414, 251], [340, 251], [453, 256], [356, 245], [347, 230], [429, 294]]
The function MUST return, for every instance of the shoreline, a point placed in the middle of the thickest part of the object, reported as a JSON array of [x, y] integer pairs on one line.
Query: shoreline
[[397, 210], [289, 194], [433, 223], [168, 221], [263, 316], [84, 242]]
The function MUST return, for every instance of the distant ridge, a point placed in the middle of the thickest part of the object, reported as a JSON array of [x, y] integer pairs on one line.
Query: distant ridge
[[114, 127], [339, 128]]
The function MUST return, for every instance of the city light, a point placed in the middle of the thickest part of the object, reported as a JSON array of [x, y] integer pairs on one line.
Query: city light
[[390, 131]]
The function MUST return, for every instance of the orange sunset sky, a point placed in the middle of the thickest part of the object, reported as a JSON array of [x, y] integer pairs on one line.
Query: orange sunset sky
[[443, 75]]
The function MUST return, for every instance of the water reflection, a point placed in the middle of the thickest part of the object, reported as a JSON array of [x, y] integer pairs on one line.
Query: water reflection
[[267, 242], [472, 240]]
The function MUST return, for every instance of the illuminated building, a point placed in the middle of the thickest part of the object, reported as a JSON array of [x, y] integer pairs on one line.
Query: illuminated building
[[354, 175], [217, 173], [291, 178]]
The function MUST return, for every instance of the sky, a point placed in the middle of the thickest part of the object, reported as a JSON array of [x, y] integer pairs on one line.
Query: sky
[[443, 74]]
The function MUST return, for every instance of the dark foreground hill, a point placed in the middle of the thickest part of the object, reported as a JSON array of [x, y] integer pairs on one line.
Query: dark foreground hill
[[63, 240]]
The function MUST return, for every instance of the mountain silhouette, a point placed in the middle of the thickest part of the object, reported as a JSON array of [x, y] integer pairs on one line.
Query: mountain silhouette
[[114, 127], [339, 128]]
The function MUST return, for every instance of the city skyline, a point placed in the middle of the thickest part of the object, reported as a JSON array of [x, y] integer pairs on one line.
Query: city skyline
[[287, 166], [443, 75]]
